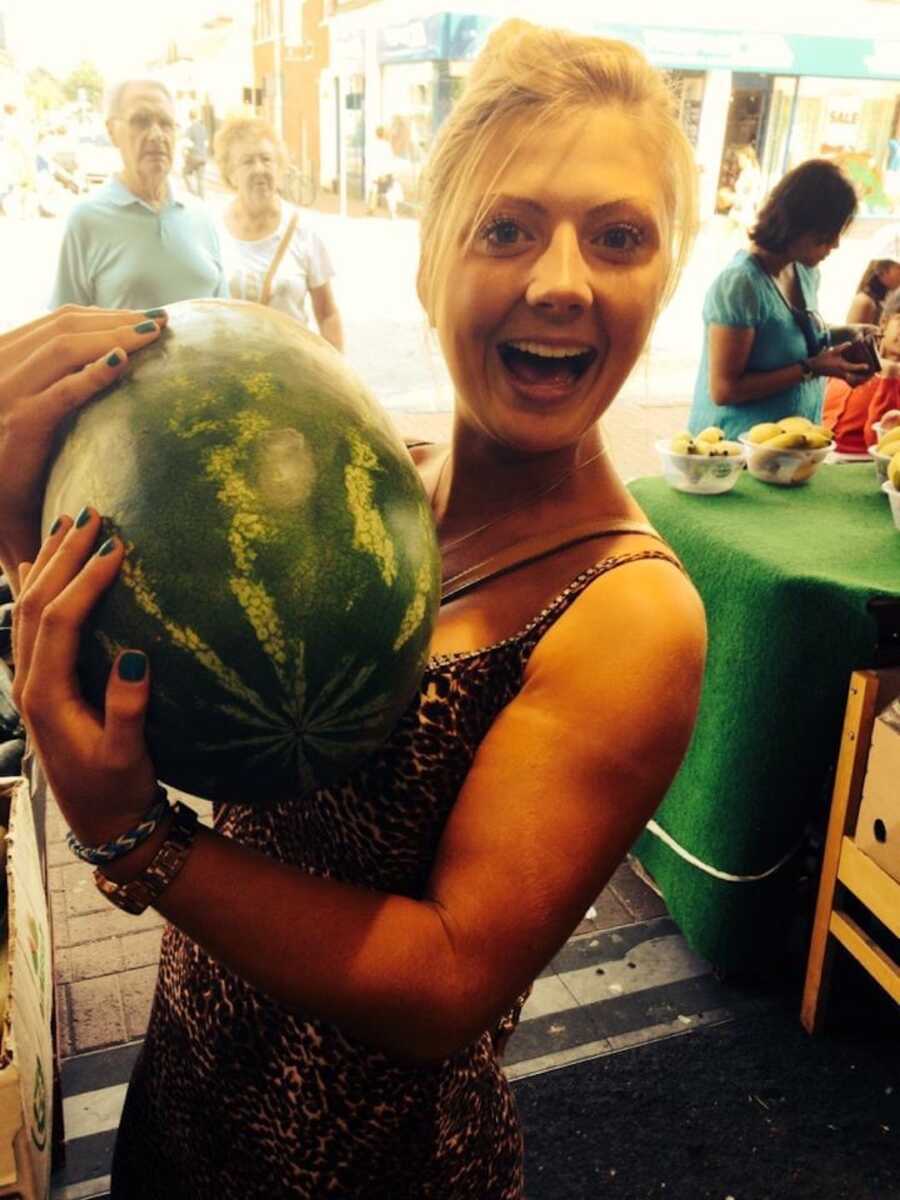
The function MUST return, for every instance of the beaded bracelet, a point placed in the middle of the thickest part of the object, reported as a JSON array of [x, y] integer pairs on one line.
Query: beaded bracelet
[[125, 842]]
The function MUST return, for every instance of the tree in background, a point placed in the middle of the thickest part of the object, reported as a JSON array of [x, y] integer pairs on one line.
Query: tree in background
[[85, 84]]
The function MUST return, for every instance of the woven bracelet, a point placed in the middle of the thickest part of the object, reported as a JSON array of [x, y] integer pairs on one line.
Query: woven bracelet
[[125, 842]]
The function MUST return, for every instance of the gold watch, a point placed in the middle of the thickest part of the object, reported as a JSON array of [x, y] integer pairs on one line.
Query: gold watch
[[138, 894]]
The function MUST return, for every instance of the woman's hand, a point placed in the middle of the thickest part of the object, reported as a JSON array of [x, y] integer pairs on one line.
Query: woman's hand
[[48, 369], [831, 362], [97, 764]]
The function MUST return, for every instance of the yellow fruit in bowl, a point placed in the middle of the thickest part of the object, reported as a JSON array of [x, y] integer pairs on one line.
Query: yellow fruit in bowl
[[817, 441], [890, 443], [759, 433], [723, 449], [683, 443], [789, 439], [801, 424], [893, 472], [712, 433]]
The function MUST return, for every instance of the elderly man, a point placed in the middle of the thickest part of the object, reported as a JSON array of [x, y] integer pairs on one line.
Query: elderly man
[[132, 244]]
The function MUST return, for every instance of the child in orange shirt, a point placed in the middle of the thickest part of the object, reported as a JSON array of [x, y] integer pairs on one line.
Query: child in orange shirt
[[850, 412]]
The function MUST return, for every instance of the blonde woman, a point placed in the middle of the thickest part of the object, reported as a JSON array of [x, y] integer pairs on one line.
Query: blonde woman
[[270, 254], [339, 974]]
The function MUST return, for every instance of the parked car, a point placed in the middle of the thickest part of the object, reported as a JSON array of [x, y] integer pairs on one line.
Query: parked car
[[97, 157]]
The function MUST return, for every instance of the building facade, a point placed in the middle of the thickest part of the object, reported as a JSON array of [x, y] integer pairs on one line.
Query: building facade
[[771, 85], [290, 56]]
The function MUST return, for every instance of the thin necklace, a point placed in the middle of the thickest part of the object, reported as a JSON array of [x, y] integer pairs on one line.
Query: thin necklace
[[517, 507]]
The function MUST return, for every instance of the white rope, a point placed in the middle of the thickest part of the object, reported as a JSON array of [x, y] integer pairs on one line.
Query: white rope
[[659, 832]]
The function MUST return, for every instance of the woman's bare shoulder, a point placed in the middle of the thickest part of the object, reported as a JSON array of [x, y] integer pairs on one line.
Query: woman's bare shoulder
[[641, 608]]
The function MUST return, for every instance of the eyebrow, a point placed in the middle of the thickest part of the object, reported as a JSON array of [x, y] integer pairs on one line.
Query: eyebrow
[[598, 210]]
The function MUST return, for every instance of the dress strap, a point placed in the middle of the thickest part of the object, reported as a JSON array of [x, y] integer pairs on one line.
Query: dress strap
[[541, 545]]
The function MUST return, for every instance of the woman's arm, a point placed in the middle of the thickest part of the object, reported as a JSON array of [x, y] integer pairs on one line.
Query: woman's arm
[[327, 316], [730, 382], [560, 787], [48, 369], [862, 311]]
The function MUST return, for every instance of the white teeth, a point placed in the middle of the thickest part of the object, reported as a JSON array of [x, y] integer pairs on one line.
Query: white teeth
[[550, 351]]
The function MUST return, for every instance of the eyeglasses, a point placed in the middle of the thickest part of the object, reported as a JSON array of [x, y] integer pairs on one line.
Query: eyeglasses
[[140, 122]]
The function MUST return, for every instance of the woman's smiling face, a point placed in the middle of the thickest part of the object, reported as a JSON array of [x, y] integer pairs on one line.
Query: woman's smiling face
[[544, 311]]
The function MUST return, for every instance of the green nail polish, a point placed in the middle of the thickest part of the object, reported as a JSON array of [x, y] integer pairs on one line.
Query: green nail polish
[[54, 528], [113, 360], [83, 517], [155, 312], [107, 548], [132, 666], [146, 327]]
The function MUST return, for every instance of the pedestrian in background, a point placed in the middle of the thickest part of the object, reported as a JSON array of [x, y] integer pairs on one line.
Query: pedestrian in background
[[195, 154], [271, 254], [341, 970], [382, 173], [131, 243], [765, 347], [880, 277]]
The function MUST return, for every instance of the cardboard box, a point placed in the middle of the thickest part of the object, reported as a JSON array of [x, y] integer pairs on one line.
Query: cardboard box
[[26, 977], [878, 824]]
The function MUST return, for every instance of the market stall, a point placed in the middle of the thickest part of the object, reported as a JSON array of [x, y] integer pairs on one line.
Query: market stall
[[801, 586]]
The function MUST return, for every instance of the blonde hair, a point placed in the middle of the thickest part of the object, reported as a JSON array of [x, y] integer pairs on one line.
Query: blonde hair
[[546, 73], [239, 128]]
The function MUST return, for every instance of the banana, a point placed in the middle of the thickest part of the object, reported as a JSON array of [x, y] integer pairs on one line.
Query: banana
[[816, 440], [684, 444], [800, 424], [759, 433], [712, 433], [890, 443], [893, 473], [787, 440]]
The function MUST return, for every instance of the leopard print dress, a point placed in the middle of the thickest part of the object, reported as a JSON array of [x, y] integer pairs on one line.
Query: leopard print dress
[[235, 1097]]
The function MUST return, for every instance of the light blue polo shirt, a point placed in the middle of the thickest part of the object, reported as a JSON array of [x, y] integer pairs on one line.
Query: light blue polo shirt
[[118, 252]]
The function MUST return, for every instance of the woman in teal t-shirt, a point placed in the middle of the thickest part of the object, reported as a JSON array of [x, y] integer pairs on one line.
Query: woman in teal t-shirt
[[765, 348]]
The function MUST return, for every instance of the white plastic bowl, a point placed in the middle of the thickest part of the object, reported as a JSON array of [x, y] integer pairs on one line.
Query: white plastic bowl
[[894, 496], [881, 461], [699, 474], [785, 467]]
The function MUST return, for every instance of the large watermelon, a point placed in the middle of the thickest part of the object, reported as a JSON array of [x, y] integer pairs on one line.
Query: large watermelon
[[282, 570]]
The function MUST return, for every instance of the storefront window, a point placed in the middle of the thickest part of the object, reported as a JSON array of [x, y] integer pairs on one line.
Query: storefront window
[[687, 88], [854, 123]]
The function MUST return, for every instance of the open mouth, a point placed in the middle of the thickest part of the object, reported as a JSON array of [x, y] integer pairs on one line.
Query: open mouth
[[536, 364]]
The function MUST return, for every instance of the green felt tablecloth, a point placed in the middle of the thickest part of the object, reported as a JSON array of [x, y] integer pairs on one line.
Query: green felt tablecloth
[[785, 575]]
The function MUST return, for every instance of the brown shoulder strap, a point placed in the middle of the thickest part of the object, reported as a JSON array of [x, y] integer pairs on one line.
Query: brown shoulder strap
[[540, 546], [266, 294]]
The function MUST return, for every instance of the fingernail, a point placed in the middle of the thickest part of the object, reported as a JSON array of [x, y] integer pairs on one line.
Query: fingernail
[[83, 517], [54, 528], [107, 548], [146, 327], [132, 666], [113, 360], [155, 312]]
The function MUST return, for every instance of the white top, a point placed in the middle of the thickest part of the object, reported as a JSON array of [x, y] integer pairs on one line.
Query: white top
[[305, 265]]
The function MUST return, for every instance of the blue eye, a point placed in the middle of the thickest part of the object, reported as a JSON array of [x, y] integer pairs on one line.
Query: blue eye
[[501, 233], [622, 238]]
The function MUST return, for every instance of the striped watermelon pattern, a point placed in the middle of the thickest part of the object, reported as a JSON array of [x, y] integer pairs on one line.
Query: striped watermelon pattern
[[282, 570]]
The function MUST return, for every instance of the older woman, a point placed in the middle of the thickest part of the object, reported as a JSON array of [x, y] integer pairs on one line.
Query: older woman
[[765, 348], [270, 255], [339, 972]]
